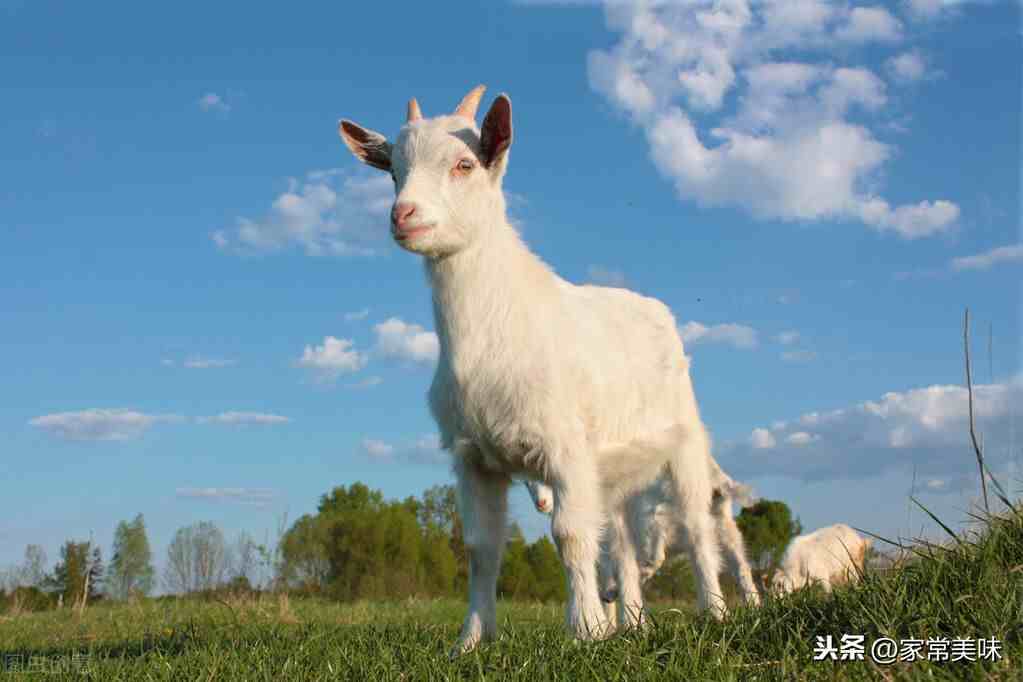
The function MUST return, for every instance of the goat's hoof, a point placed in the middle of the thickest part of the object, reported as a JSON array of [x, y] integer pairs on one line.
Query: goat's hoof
[[473, 634], [464, 646], [592, 629]]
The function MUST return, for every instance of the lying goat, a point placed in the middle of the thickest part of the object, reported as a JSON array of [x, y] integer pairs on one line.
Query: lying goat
[[830, 556]]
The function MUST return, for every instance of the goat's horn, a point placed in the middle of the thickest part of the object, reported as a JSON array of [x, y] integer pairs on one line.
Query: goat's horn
[[467, 107], [414, 114]]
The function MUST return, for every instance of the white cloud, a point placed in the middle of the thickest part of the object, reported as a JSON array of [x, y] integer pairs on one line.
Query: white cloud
[[422, 450], [910, 222], [598, 274], [908, 66], [430, 441], [199, 362], [258, 497], [800, 438], [239, 418], [328, 213], [399, 339], [98, 424], [1012, 253], [798, 355], [799, 144], [787, 337], [869, 24], [761, 439], [427, 449], [211, 101], [332, 358], [124, 424], [924, 428], [377, 449], [926, 9], [368, 382], [737, 335], [357, 315]]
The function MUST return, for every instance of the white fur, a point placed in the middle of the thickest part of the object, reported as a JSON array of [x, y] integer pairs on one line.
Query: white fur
[[829, 556], [657, 534], [542, 496], [584, 387]]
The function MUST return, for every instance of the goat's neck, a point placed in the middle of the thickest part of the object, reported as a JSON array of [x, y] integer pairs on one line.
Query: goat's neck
[[493, 285]]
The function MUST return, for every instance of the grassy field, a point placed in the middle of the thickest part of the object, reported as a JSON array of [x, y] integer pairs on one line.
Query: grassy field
[[971, 588]]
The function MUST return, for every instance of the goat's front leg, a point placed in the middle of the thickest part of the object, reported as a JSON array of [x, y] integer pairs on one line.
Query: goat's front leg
[[483, 505], [576, 527]]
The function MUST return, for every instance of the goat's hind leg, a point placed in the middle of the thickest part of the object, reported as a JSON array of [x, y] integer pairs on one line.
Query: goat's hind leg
[[576, 526], [693, 490]]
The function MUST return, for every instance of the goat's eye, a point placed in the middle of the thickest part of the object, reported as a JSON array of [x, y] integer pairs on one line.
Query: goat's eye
[[464, 166]]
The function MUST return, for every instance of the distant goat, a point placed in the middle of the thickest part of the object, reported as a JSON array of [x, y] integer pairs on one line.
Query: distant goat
[[657, 536], [584, 387], [829, 556]]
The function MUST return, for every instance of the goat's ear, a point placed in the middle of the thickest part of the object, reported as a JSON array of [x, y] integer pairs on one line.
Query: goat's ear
[[369, 146], [496, 133]]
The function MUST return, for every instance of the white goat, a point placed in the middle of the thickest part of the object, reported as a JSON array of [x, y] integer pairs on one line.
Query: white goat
[[586, 388], [831, 555], [658, 535]]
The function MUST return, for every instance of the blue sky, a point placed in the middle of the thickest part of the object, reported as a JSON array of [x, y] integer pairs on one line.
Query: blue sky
[[204, 318]]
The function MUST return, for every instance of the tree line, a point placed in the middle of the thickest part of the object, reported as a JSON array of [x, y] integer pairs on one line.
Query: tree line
[[357, 545]]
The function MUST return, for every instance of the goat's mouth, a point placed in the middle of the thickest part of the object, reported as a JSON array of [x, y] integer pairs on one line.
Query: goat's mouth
[[609, 596], [407, 233]]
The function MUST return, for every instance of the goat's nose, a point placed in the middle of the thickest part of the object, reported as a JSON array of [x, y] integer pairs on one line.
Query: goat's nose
[[609, 596], [402, 211]]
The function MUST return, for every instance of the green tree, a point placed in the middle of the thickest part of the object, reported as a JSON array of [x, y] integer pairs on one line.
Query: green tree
[[402, 550], [516, 580], [78, 560], [547, 570], [131, 568], [374, 552], [439, 564], [95, 570], [673, 582], [305, 563], [357, 497], [767, 528], [439, 507], [355, 552]]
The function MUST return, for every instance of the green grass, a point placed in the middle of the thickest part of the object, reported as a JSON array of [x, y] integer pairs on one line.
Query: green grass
[[973, 588]]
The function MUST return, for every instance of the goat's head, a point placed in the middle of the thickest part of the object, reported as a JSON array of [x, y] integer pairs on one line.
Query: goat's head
[[607, 579], [651, 551], [542, 495], [780, 582], [447, 173]]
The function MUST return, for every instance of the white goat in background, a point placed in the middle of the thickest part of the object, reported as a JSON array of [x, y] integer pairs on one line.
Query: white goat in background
[[584, 387], [830, 556], [657, 535]]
